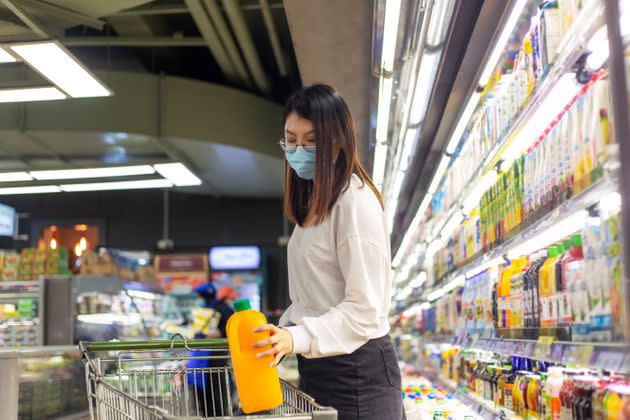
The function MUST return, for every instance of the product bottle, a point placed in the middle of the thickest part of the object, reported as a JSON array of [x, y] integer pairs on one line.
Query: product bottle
[[547, 283], [558, 309], [258, 385], [517, 293], [554, 385]]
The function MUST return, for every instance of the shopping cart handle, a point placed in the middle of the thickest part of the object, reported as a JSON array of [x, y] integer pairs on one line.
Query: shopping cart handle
[[208, 343]]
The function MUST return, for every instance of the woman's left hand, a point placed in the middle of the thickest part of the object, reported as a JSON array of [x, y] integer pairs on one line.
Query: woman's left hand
[[281, 342]]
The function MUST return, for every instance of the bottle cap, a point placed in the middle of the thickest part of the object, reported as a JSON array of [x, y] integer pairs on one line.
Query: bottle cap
[[560, 247], [567, 244], [242, 305], [553, 252], [577, 240]]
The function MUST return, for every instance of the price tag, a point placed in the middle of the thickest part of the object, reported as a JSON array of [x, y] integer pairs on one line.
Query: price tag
[[482, 344], [557, 352], [543, 347], [583, 354], [609, 359]]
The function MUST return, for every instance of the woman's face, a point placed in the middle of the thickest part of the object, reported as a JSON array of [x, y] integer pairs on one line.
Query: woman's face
[[299, 131]]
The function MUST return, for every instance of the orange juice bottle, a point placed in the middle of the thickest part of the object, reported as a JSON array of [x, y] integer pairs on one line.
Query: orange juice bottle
[[258, 385]]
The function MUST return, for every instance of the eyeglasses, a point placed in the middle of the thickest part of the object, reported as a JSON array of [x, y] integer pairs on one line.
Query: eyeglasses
[[291, 148]]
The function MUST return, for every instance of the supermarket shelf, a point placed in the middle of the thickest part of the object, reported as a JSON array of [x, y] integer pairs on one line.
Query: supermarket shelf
[[13, 296], [484, 408], [606, 356], [574, 45], [585, 199]]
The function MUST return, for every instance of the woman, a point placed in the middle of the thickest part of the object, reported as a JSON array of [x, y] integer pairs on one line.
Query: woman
[[339, 265]]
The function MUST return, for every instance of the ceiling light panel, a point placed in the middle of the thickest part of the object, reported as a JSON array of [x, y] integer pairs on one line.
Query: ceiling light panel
[[5, 57], [30, 190], [15, 176], [59, 66], [178, 174], [30, 94], [120, 185], [112, 171]]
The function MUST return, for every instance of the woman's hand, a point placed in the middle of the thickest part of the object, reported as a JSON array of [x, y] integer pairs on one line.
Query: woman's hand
[[281, 342]]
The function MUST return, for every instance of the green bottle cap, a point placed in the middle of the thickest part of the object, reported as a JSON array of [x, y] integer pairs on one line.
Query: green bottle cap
[[553, 252], [568, 243], [560, 247], [242, 305], [577, 240]]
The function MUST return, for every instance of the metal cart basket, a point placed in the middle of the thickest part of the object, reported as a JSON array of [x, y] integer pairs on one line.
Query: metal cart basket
[[162, 379]]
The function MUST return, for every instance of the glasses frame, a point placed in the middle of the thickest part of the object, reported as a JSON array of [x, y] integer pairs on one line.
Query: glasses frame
[[292, 149]]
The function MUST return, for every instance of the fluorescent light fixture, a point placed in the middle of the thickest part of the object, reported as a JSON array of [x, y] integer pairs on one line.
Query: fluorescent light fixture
[[559, 230], [177, 173], [59, 66], [425, 305], [486, 181], [15, 176], [390, 34], [380, 156], [30, 94], [462, 123], [450, 226], [433, 248], [141, 294], [111, 171], [384, 101], [484, 266], [120, 185], [598, 46], [404, 293], [407, 150], [437, 176], [611, 203], [499, 45], [42, 189], [435, 295], [418, 281], [107, 319], [413, 226], [411, 311], [5, 57], [423, 88], [439, 22], [454, 284], [561, 94]]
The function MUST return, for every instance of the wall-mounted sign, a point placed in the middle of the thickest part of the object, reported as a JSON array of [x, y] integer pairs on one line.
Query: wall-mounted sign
[[7, 220], [235, 258], [174, 263]]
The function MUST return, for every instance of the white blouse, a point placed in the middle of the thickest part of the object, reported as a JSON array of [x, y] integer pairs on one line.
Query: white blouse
[[340, 277]]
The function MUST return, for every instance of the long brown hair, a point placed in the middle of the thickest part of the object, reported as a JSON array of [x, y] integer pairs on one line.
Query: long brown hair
[[307, 203]]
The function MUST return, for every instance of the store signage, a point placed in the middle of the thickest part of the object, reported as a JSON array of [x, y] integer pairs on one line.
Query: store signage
[[235, 258], [7, 220], [189, 263]]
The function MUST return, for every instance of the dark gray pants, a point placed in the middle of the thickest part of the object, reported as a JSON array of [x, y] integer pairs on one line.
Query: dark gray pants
[[364, 385]]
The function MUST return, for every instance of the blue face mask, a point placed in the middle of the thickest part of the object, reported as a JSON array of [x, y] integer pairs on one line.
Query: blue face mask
[[303, 162]]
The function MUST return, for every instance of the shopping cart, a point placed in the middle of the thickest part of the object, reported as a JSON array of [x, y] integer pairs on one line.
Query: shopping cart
[[147, 380]]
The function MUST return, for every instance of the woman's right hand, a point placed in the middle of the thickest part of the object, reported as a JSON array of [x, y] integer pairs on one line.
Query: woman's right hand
[[281, 342]]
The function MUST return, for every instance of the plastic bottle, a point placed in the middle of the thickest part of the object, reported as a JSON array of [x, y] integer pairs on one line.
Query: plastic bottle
[[258, 385], [517, 292], [554, 385], [558, 309], [546, 282]]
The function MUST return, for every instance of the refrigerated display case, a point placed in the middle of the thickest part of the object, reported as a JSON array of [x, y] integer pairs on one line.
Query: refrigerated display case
[[106, 308], [515, 260], [43, 382], [21, 313]]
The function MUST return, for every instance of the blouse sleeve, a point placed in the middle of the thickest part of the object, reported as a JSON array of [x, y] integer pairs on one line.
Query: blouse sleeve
[[350, 324]]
